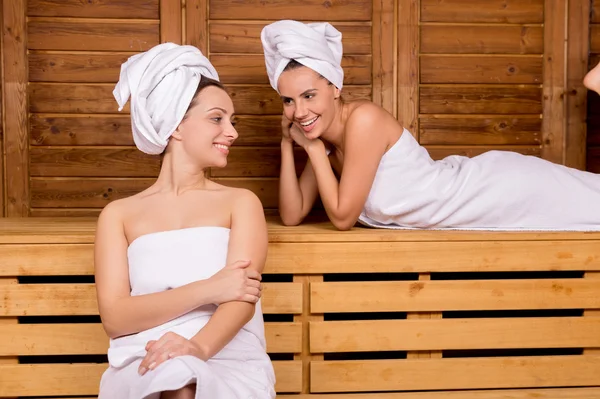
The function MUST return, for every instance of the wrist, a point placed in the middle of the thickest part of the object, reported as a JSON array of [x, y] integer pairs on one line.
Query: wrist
[[315, 147], [203, 292], [286, 143], [202, 351]]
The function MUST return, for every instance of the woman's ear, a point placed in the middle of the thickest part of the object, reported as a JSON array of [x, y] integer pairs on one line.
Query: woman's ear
[[336, 92], [177, 133]]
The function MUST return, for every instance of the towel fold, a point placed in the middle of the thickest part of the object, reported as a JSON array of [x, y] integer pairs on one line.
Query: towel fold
[[317, 46], [161, 83]]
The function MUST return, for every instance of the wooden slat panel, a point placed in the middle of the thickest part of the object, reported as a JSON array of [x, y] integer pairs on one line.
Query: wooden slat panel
[[545, 393], [171, 21], [593, 159], [369, 257], [511, 11], [75, 130], [480, 100], [73, 98], [440, 334], [439, 152], [80, 299], [489, 39], [93, 9], [97, 98], [315, 10], [87, 68], [595, 17], [67, 34], [93, 161], [384, 54], [554, 84], [244, 37], [481, 69], [481, 130], [408, 69], [196, 13], [595, 39], [250, 69], [65, 212], [91, 193], [84, 379], [429, 296], [90, 339], [14, 98], [431, 374]]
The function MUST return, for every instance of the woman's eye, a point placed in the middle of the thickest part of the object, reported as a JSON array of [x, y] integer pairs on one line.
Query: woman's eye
[[309, 96], [217, 119], [287, 101], [233, 123]]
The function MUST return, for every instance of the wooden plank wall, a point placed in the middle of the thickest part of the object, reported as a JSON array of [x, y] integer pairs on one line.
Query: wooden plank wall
[[593, 110], [464, 76]]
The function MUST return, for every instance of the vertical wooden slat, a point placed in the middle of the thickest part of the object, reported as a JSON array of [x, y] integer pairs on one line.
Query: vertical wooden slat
[[16, 142], [554, 121], [196, 25], [424, 315], [8, 320], [577, 66], [408, 65], [592, 313], [170, 21], [382, 50], [305, 318], [2, 114]]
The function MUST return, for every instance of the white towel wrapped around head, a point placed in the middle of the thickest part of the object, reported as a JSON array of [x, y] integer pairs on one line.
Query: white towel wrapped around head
[[317, 46], [161, 83]]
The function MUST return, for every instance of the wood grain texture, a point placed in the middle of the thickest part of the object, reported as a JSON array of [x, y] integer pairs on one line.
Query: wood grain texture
[[78, 67], [98, 192], [315, 10], [480, 39], [73, 98], [250, 69], [244, 37], [196, 25], [431, 296], [466, 99], [554, 84], [491, 11], [419, 374], [481, 69], [384, 53], [408, 65], [77, 34], [16, 161], [94, 9], [171, 21], [481, 129]]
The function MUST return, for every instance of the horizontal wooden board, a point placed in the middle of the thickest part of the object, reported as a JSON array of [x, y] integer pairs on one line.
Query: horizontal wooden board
[[479, 39], [64, 212], [430, 296], [90, 339], [84, 378], [71, 98], [130, 162], [76, 130], [47, 260], [93, 9], [250, 69], [594, 38], [236, 37], [315, 10], [595, 17], [480, 130], [103, 130], [481, 69], [505, 11], [82, 67], [439, 152], [453, 334], [82, 34], [80, 299], [463, 99], [98, 192], [473, 373], [529, 393]]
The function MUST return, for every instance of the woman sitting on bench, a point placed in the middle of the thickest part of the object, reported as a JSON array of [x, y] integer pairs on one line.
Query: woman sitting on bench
[[365, 166], [178, 266]]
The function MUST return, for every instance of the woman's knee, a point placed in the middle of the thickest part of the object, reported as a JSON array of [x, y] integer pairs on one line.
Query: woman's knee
[[187, 392]]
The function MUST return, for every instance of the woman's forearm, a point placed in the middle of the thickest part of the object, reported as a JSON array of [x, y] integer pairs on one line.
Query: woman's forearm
[[290, 194], [132, 314]]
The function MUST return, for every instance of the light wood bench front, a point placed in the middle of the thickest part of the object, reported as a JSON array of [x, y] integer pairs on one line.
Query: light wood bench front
[[380, 314]]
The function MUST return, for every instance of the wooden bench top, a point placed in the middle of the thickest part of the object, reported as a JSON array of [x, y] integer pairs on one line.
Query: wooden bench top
[[81, 230]]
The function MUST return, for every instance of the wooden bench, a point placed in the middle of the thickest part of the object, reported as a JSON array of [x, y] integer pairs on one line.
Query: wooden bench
[[384, 314]]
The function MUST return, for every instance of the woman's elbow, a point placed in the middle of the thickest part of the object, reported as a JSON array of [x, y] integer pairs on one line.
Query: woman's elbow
[[290, 220], [344, 225]]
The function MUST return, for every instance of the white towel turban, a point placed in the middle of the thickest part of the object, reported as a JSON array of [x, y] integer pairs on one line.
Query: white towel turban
[[317, 46], [161, 83]]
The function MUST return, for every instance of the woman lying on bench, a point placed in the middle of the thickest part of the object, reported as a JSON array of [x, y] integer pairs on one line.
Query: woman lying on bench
[[182, 324], [386, 179]]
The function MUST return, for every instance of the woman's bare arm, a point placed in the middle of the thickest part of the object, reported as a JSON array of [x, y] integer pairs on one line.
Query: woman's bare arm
[[248, 240]]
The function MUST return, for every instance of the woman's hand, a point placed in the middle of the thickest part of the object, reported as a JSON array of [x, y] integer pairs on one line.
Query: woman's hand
[[236, 282], [286, 124], [293, 133], [167, 347]]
